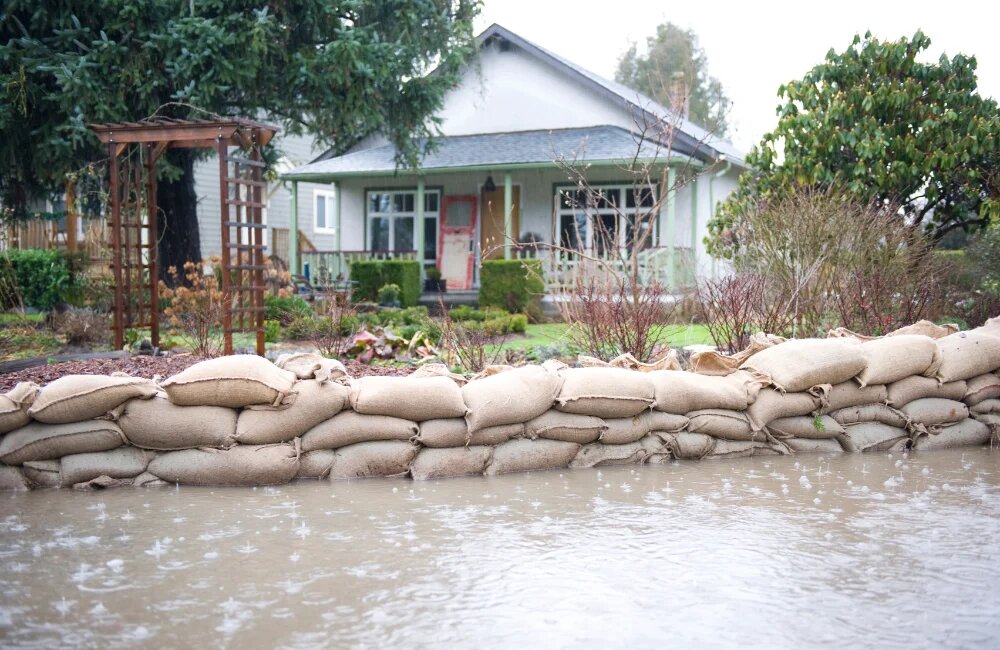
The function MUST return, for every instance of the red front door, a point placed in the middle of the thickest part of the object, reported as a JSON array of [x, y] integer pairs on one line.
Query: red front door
[[456, 255]]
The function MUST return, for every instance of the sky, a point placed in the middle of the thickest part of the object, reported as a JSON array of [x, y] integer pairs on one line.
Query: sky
[[752, 46]]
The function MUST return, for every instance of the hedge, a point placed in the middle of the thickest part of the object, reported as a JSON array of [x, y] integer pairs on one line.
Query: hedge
[[372, 275], [514, 285], [38, 278]]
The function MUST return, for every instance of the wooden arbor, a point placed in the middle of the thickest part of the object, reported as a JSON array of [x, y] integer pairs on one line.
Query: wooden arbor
[[133, 149]]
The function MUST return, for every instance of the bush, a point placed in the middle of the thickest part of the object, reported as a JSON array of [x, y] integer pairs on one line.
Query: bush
[[83, 326], [388, 294], [41, 279], [372, 275], [272, 331], [196, 308], [514, 285], [285, 309]]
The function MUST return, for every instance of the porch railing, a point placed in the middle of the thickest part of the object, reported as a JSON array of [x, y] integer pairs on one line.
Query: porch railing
[[324, 268], [562, 268]]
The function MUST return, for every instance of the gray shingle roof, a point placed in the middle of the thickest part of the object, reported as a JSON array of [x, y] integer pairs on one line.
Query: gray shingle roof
[[605, 144]]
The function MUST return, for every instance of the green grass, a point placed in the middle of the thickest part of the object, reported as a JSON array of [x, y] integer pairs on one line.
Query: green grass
[[9, 318], [555, 333]]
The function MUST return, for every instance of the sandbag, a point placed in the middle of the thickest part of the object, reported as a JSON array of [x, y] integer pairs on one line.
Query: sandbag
[[681, 392], [43, 473], [446, 463], [605, 392], [439, 370], [723, 424], [622, 431], [814, 445], [874, 436], [870, 413], [925, 328], [311, 365], [12, 479], [103, 483], [417, 399], [820, 427], [372, 459], [234, 381], [310, 403], [712, 362], [525, 455], [124, 462], [967, 354], [991, 327], [570, 427], [993, 422], [148, 480], [73, 398], [510, 397], [689, 446], [800, 364], [241, 465], [744, 449], [914, 388], [772, 404], [158, 423], [967, 433], [932, 411], [316, 464], [848, 393], [892, 358], [986, 407], [598, 454], [38, 441], [349, 428], [14, 405], [982, 388], [454, 432]]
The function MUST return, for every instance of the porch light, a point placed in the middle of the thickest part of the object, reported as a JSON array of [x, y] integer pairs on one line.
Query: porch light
[[489, 185]]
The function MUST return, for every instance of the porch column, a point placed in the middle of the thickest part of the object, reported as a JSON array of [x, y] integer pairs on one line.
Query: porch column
[[670, 236], [508, 215], [293, 232], [694, 228], [418, 238], [341, 267]]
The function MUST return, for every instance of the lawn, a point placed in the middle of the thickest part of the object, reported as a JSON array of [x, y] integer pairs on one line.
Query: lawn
[[555, 333]]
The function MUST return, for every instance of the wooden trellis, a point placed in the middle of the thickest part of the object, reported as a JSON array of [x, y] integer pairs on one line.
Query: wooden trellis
[[133, 149]]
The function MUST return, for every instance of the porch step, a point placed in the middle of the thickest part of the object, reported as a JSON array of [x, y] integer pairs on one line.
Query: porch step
[[451, 298]]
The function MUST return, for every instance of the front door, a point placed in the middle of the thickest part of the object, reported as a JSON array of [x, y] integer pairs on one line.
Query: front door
[[491, 231], [455, 245]]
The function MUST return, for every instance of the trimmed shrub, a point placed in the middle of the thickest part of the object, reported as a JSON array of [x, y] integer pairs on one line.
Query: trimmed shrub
[[41, 279], [514, 285], [286, 309], [367, 276], [372, 275]]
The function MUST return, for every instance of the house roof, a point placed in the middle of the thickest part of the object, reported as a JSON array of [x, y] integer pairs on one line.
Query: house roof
[[519, 149]]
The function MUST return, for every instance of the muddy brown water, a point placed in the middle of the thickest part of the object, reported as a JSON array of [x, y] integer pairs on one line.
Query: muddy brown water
[[849, 551]]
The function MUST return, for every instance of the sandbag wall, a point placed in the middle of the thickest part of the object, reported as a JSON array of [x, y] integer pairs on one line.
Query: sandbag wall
[[242, 420]]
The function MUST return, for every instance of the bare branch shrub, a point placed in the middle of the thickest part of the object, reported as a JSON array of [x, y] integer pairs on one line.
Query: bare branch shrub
[[469, 346], [336, 325], [196, 307], [734, 307]]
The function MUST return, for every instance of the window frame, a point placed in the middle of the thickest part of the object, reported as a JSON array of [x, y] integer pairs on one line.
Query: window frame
[[392, 215], [330, 212], [623, 213]]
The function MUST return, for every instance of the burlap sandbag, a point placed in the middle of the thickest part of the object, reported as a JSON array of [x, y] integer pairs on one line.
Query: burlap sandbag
[[723, 424], [246, 465], [681, 392], [874, 436], [525, 455], [689, 446], [148, 480], [933, 411], [311, 365], [446, 463], [926, 328], [570, 427], [990, 327], [800, 364], [993, 422], [124, 462], [982, 388], [417, 399], [49, 441], [439, 370], [967, 433], [74, 398], [12, 479], [821, 427], [712, 362], [373, 459], [914, 388], [316, 464], [597, 454], [848, 393], [349, 428], [510, 397], [967, 354], [234, 382], [745, 449], [870, 413], [622, 431], [310, 403], [605, 392], [454, 432], [771, 404], [43, 473], [14, 405], [158, 423], [814, 445], [893, 358], [986, 407]]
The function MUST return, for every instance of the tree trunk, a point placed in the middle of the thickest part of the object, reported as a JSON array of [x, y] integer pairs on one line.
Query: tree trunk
[[178, 215]]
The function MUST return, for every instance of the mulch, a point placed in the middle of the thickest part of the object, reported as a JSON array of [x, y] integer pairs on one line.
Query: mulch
[[148, 366]]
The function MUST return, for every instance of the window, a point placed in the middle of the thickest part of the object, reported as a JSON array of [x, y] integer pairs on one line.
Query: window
[[324, 211], [392, 218], [605, 218]]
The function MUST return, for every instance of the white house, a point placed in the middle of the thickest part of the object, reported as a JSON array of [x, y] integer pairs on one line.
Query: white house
[[496, 178]]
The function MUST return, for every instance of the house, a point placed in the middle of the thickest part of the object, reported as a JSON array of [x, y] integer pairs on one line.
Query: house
[[501, 174]]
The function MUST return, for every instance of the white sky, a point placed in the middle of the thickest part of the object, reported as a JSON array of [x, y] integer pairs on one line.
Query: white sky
[[753, 46]]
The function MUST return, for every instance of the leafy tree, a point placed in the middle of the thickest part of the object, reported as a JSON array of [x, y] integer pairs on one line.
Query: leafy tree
[[884, 126], [670, 52], [337, 69]]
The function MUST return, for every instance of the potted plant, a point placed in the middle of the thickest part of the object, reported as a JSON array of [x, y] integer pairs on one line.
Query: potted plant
[[434, 283], [388, 295]]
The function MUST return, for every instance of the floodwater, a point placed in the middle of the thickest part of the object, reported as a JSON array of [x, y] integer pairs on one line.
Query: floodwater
[[849, 551]]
